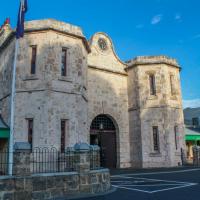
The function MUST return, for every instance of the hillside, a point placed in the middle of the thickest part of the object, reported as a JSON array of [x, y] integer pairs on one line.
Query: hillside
[[189, 113]]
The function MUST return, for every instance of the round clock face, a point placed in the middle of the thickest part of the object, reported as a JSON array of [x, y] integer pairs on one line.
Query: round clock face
[[102, 44]]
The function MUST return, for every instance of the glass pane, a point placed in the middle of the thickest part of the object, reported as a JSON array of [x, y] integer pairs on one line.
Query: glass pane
[[64, 62]]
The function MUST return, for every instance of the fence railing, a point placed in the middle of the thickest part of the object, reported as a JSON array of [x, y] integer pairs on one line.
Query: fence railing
[[94, 158], [4, 162], [45, 160]]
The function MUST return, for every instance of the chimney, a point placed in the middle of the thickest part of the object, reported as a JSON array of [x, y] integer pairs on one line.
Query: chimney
[[6, 23]]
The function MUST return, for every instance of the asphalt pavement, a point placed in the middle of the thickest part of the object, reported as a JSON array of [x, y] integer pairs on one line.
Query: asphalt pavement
[[154, 184]]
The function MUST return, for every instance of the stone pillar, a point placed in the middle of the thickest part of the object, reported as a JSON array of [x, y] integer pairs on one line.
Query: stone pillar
[[82, 166], [183, 157], [196, 156], [21, 159]]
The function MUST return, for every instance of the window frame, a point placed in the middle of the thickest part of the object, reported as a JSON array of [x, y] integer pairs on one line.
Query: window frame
[[30, 130], [156, 143], [64, 70], [152, 84], [176, 137], [63, 134], [33, 59]]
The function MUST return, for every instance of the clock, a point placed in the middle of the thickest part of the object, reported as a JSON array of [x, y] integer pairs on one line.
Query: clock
[[102, 44]]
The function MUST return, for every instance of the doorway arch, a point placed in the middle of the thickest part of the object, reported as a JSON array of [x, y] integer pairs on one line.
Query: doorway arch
[[103, 133]]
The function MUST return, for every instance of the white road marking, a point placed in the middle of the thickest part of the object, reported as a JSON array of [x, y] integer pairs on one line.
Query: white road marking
[[128, 181], [131, 189], [171, 185], [150, 192], [151, 185], [164, 172], [178, 187], [156, 180]]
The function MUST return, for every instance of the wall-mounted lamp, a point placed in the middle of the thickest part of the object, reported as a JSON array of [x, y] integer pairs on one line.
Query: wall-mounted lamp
[[101, 126]]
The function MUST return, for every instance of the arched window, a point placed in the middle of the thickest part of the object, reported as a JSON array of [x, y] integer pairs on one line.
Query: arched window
[[102, 122]]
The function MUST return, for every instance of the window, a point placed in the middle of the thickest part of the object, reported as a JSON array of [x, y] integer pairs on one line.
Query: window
[[176, 136], [30, 131], [63, 134], [33, 59], [172, 84], [152, 84], [64, 62], [195, 121], [155, 139]]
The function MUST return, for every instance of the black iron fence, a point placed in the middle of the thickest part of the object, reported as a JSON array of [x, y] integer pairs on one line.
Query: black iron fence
[[50, 160], [4, 162], [94, 158], [46, 160]]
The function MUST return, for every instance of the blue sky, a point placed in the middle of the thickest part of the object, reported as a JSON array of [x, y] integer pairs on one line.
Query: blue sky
[[137, 27]]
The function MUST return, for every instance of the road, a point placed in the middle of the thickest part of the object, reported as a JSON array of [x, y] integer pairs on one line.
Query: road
[[167, 184]]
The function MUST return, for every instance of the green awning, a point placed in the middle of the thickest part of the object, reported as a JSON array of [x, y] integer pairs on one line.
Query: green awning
[[4, 133], [192, 137]]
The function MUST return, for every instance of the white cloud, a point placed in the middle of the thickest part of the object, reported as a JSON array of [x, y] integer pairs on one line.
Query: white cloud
[[194, 103], [178, 17], [139, 26], [156, 19], [196, 36]]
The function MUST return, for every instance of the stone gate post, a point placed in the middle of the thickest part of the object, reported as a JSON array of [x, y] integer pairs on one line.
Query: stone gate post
[[22, 159], [82, 166]]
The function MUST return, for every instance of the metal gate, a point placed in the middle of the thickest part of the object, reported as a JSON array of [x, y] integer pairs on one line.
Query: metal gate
[[103, 133]]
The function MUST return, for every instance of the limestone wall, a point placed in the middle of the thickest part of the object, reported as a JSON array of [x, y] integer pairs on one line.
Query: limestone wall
[[163, 110], [6, 65], [134, 118], [107, 93], [46, 96]]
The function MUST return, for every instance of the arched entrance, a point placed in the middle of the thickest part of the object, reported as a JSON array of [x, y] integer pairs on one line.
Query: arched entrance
[[103, 133]]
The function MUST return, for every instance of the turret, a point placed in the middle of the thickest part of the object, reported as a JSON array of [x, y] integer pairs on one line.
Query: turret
[[155, 111]]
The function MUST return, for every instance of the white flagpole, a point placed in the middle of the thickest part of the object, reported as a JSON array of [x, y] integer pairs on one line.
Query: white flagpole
[[12, 99]]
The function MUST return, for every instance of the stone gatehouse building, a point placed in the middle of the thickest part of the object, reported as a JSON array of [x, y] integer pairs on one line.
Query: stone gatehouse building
[[71, 90]]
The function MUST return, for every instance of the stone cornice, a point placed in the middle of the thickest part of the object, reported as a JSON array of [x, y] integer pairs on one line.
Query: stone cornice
[[85, 42], [47, 25], [43, 90], [107, 70], [135, 108]]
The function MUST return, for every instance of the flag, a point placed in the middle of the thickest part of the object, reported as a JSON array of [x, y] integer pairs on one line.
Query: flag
[[21, 17]]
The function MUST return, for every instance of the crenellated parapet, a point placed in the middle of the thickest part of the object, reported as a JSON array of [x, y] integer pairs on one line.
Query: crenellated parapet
[[149, 60]]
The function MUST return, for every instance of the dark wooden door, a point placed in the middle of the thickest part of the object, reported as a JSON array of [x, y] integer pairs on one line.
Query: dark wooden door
[[108, 149], [103, 133]]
